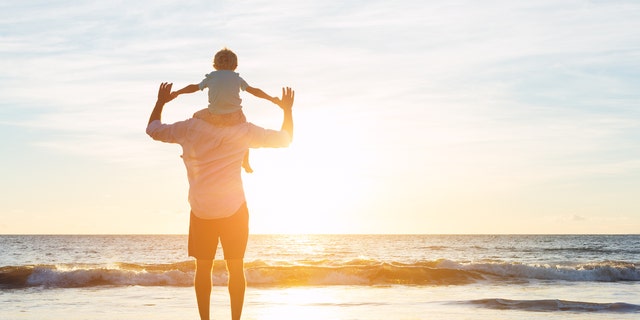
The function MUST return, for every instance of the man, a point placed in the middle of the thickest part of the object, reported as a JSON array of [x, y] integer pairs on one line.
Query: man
[[213, 157]]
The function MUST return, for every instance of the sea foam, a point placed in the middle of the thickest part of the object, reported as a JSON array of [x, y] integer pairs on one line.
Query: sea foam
[[357, 272]]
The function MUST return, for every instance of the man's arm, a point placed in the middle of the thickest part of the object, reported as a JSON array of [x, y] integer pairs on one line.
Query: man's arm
[[286, 104], [164, 96], [261, 94], [265, 138]]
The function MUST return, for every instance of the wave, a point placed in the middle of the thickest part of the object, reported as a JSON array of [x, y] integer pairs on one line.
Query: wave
[[606, 271], [311, 273], [554, 305]]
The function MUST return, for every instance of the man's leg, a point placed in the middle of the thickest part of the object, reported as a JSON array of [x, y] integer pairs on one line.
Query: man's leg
[[234, 237], [203, 286], [237, 285]]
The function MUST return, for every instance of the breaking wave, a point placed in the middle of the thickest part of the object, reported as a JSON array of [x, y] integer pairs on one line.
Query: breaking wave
[[311, 273]]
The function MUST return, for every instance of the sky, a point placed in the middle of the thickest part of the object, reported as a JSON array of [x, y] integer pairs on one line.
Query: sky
[[411, 116]]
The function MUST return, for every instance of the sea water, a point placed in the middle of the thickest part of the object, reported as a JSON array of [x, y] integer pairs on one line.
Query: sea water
[[327, 277]]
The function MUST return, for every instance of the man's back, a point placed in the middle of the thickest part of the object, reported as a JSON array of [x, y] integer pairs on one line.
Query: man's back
[[212, 156]]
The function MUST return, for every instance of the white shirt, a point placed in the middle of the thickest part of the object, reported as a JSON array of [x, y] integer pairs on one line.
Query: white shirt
[[213, 157], [224, 91]]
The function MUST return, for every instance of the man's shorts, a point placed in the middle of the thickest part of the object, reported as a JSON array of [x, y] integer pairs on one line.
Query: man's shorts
[[232, 231]]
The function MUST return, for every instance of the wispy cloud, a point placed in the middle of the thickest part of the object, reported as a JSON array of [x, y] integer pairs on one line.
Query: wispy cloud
[[538, 81], [463, 98]]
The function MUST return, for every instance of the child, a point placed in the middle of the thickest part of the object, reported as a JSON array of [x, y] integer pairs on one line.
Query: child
[[224, 94]]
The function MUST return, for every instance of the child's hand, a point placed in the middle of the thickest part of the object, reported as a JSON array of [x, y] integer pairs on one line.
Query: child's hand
[[275, 100], [174, 94]]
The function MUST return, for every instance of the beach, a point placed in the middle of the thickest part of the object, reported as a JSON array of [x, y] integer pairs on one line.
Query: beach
[[328, 277]]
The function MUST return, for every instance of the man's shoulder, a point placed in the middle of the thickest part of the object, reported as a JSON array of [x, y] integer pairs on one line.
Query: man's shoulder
[[185, 122], [197, 124], [252, 126]]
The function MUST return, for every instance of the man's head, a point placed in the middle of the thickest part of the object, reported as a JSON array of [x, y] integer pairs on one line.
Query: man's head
[[225, 59]]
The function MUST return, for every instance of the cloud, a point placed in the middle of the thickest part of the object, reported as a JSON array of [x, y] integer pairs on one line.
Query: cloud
[[476, 102], [533, 83], [576, 217]]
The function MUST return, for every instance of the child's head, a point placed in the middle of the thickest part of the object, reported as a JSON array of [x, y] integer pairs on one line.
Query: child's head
[[225, 59]]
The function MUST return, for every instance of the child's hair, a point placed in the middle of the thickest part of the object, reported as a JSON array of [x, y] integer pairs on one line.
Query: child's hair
[[225, 59]]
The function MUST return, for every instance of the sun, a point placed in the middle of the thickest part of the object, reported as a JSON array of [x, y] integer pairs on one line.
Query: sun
[[311, 187]]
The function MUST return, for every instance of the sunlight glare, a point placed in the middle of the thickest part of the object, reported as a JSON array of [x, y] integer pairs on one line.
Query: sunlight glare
[[312, 184], [300, 303]]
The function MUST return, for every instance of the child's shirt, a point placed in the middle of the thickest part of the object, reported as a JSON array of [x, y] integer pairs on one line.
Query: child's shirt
[[224, 91]]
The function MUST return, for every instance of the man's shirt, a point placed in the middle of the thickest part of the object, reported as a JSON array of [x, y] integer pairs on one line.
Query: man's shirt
[[213, 158]]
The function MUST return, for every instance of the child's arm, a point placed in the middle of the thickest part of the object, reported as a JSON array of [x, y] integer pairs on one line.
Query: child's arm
[[188, 89], [261, 94]]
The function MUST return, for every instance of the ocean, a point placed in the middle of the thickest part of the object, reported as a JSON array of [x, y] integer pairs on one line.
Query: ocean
[[327, 277]]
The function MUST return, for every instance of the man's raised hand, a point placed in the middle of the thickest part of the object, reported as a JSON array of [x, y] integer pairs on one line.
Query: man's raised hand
[[164, 92], [288, 95]]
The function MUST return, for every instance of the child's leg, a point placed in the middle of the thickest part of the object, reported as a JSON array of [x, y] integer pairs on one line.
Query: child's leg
[[245, 163]]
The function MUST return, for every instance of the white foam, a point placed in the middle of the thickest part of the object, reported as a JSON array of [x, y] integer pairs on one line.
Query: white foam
[[81, 277], [605, 272]]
